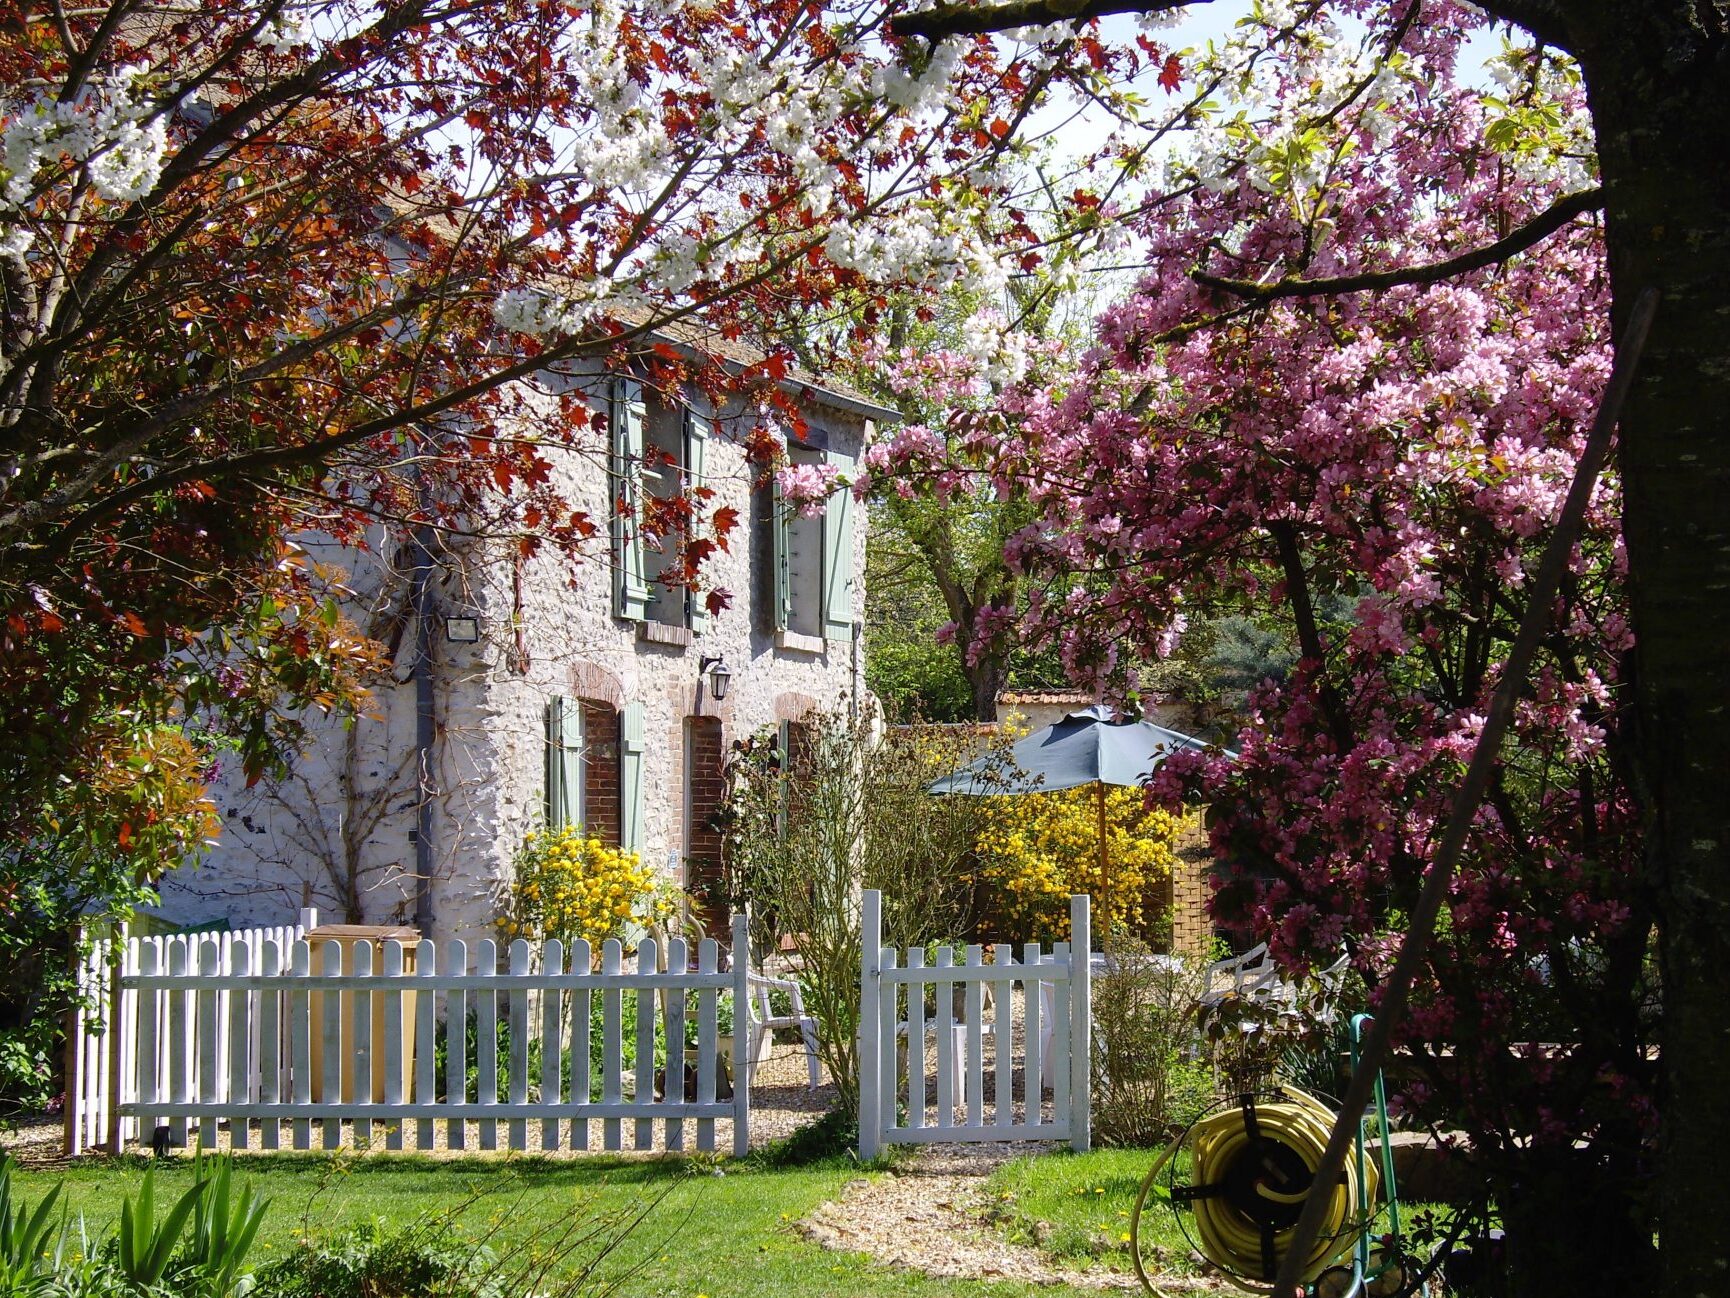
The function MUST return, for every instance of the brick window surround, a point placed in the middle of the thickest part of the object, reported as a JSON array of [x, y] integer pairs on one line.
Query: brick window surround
[[705, 791]]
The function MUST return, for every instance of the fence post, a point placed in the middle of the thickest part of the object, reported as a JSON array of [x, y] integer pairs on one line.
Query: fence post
[[741, 1036], [870, 1030], [1080, 1025]]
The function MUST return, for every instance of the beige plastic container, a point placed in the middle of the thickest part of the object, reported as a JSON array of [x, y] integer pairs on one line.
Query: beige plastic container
[[348, 936]]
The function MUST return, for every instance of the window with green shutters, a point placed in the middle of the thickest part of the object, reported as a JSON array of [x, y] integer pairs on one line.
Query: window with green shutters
[[810, 580], [659, 452], [626, 417]]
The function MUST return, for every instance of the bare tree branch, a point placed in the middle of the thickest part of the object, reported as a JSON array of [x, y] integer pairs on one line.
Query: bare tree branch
[[1539, 228], [974, 20]]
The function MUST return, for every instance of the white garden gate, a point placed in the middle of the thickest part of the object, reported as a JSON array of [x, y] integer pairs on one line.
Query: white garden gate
[[1030, 1014], [196, 1031]]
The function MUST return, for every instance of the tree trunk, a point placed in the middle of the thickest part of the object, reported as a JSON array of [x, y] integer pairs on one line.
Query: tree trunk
[[986, 678], [1660, 97]]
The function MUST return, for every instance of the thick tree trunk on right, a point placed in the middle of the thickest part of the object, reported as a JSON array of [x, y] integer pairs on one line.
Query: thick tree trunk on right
[[1660, 96]]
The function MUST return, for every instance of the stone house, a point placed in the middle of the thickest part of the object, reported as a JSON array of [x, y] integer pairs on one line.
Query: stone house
[[531, 691]]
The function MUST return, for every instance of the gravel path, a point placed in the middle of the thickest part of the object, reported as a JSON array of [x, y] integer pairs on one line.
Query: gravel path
[[931, 1214]]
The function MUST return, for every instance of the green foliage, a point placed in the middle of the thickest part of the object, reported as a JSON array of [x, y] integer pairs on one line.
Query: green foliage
[[833, 1136], [371, 1261], [1077, 1208], [23, 1239], [198, 1249], [1148, 1080], [850, 811]]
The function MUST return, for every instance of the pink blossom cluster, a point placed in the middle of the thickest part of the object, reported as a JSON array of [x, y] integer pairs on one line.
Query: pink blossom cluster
[[806, 487]]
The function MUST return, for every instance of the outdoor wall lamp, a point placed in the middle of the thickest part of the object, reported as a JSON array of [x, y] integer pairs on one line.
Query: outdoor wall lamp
[[463, 630], [719, 676]]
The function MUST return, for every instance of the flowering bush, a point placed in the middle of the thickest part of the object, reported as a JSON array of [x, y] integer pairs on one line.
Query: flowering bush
[[1039, 849], [569, 885]]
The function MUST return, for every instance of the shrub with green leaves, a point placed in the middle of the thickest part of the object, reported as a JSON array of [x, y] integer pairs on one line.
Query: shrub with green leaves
[[426, 1259]]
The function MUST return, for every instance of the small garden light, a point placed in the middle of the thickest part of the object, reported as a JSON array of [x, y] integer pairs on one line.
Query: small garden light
[[463, 630]]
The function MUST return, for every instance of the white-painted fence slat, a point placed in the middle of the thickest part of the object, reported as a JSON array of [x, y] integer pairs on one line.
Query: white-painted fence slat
[[270, 1040], [300, 1043], [581, 1001], [518, 1077], [333, 1045], [673, 1081], [1033, 1066], [456, 1043], [612, 1049], [648, 962], [239, 1042], [393, 1045], [708, 1056], [426, 1038], [552, 1037]]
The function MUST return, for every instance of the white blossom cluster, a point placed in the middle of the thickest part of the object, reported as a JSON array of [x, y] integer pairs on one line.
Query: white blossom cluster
[[291, 29], [623, 146], [918, 92], [1266, 137], [756, 95], [110, 130]]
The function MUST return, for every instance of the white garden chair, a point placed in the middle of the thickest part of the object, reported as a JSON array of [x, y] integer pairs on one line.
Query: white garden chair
[[764, 1021]]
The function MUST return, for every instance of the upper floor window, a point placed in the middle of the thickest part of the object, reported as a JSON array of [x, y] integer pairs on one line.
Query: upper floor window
[[812, 555], [658, 453]]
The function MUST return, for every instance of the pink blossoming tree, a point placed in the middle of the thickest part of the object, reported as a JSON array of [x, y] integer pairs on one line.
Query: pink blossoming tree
[[1403, 454]]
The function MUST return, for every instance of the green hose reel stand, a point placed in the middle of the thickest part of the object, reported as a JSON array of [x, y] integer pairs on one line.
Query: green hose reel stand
[[1238, 1176]]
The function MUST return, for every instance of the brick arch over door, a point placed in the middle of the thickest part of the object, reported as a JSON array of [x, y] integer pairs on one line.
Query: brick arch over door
[[594, 683], [794, 707]]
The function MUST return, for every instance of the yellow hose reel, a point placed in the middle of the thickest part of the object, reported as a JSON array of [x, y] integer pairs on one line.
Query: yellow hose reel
[[1249, 1168]]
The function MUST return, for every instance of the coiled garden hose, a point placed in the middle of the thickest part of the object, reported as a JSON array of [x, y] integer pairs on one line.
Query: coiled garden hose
[[1252, 1165]]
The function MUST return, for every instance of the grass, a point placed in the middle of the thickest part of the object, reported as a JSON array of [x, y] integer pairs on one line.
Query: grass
[[721, 1230], [1076, 1208]]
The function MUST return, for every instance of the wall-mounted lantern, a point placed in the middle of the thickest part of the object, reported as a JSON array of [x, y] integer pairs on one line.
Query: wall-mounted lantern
[[719, 677]]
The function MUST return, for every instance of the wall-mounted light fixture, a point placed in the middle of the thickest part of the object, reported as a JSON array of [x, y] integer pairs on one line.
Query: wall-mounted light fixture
[[719, 677], [463, 630]]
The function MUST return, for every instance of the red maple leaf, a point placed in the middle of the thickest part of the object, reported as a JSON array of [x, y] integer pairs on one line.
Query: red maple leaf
[[1171, 75]]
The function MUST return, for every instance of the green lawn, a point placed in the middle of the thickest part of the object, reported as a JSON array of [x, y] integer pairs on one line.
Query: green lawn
[[724, 1232], [720, 1230], [1076, 1207]]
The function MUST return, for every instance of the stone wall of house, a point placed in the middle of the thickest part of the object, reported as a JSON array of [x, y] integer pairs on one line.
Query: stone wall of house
[[338, 831]]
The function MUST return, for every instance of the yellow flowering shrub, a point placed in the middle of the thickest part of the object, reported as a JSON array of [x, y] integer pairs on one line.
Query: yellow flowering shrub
[[1038, 849], [569, 885]]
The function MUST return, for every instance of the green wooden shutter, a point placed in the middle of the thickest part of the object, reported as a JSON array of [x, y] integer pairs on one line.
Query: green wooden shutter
[[697, 429], [780, 560], [631, 753], [630, 582], [564, 763], [838, 554]]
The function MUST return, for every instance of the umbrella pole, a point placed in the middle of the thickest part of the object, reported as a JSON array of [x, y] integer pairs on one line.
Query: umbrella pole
[[1104, 869]]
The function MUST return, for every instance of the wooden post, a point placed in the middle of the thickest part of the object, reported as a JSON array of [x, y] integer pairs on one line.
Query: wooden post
[[1104, 865], [870, 1035], [741, 1035], [1080, 1025]]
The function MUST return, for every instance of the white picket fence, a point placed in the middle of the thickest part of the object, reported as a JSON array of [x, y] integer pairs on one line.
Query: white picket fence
[[239, 1029], [1041, 1000], [102, 1046]]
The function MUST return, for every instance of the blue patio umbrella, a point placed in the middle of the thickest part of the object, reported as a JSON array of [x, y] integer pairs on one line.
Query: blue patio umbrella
[[1092, 746]]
